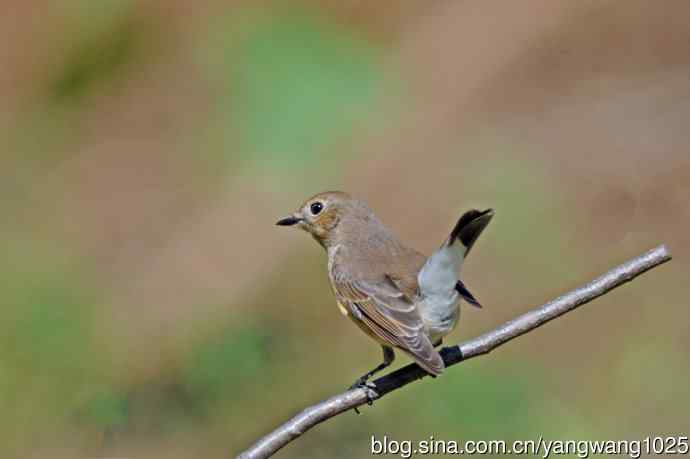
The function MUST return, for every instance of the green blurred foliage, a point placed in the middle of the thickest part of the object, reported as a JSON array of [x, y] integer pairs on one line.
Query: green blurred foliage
[[107, 410], [96, 49], [102, 40], [47, 361], [452, 410], [96, 60], [293, 83], [226, 365]]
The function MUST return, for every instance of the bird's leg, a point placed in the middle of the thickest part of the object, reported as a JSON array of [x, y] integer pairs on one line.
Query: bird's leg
[[363, 381], [388, 357]]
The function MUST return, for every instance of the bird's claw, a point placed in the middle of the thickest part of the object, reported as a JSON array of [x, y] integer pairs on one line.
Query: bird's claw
[[368, 386], [362, 383]]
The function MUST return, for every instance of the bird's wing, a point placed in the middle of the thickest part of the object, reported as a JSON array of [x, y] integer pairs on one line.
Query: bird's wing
[[390, 315]]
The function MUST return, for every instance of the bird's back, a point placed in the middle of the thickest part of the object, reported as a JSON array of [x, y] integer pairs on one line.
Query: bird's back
[[375, 253]]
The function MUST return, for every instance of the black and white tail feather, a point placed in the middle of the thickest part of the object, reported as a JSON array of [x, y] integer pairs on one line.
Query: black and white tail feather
[[466, 231], [439, 276], [469, 227]]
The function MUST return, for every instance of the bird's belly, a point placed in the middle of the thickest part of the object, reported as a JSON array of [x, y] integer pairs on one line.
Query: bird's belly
[[440, 314]]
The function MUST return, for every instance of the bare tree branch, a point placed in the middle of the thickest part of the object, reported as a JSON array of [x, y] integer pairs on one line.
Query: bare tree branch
[[483, 344]]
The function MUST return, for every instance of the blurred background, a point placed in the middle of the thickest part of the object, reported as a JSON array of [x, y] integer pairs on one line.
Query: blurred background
[[150, 307]]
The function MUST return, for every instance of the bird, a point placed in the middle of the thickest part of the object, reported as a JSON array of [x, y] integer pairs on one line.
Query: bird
[[401, 298]]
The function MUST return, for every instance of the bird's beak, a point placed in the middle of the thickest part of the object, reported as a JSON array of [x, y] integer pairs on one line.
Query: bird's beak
[[289, 221]]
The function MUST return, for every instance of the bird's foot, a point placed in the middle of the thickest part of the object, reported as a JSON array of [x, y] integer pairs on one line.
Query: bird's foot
[[369, 388], [363, 383]]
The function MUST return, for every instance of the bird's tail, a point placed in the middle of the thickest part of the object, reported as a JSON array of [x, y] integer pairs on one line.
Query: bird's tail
[[469, 227], [439, 275], [466, 232]]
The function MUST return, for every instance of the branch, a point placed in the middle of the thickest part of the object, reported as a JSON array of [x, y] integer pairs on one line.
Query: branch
[[308, 418]]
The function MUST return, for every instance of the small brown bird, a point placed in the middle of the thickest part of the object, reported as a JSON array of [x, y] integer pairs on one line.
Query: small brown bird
[[396, 295]]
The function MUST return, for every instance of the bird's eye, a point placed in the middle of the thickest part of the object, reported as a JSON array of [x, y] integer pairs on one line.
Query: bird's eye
[[316, 208]]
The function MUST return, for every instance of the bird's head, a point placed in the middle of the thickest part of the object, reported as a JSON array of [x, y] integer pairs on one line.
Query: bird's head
[[321, 214]]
